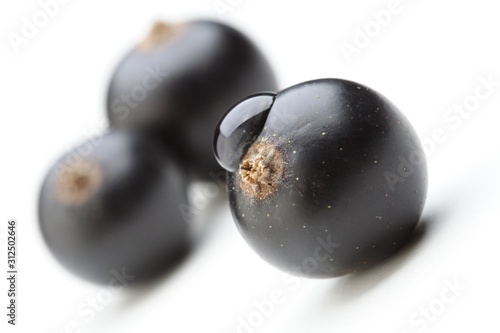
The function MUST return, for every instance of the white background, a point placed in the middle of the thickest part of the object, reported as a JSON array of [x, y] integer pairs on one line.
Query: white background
[[427, 59]]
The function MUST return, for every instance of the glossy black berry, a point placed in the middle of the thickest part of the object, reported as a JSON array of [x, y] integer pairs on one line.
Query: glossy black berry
[[112, 205], [177, 83], [333, 182], [239, 128]]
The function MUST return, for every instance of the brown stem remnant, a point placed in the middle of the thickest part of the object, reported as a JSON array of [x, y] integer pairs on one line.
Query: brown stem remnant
[[77, 182], [159, 33], [261, 170]]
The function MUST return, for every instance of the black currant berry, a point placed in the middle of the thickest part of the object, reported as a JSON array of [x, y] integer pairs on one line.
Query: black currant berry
[[179, 80], [332, 178], [112, 205]]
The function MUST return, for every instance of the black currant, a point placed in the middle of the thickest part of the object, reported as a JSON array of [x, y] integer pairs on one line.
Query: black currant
[[179, 80], [112, 205], [332, 178]]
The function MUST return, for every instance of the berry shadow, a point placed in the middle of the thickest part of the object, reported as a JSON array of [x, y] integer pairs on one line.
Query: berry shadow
[[205, 225], [353, 286]]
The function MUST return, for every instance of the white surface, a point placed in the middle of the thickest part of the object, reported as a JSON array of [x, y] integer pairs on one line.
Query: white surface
[[428, 58]]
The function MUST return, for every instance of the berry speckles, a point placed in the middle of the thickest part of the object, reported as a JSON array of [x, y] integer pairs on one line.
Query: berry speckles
[[313, 177]]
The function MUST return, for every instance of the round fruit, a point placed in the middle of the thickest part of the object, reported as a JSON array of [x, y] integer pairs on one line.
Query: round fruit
[[332, 178], [178, 81], [111, 207]]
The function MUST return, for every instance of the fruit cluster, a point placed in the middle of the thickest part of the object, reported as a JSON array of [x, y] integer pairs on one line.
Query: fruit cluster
[[307, 167], [118, 205]]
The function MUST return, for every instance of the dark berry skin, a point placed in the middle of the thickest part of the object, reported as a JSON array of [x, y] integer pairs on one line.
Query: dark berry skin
[[327, 187], [114, 205], [200, 69], [239, 128]]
